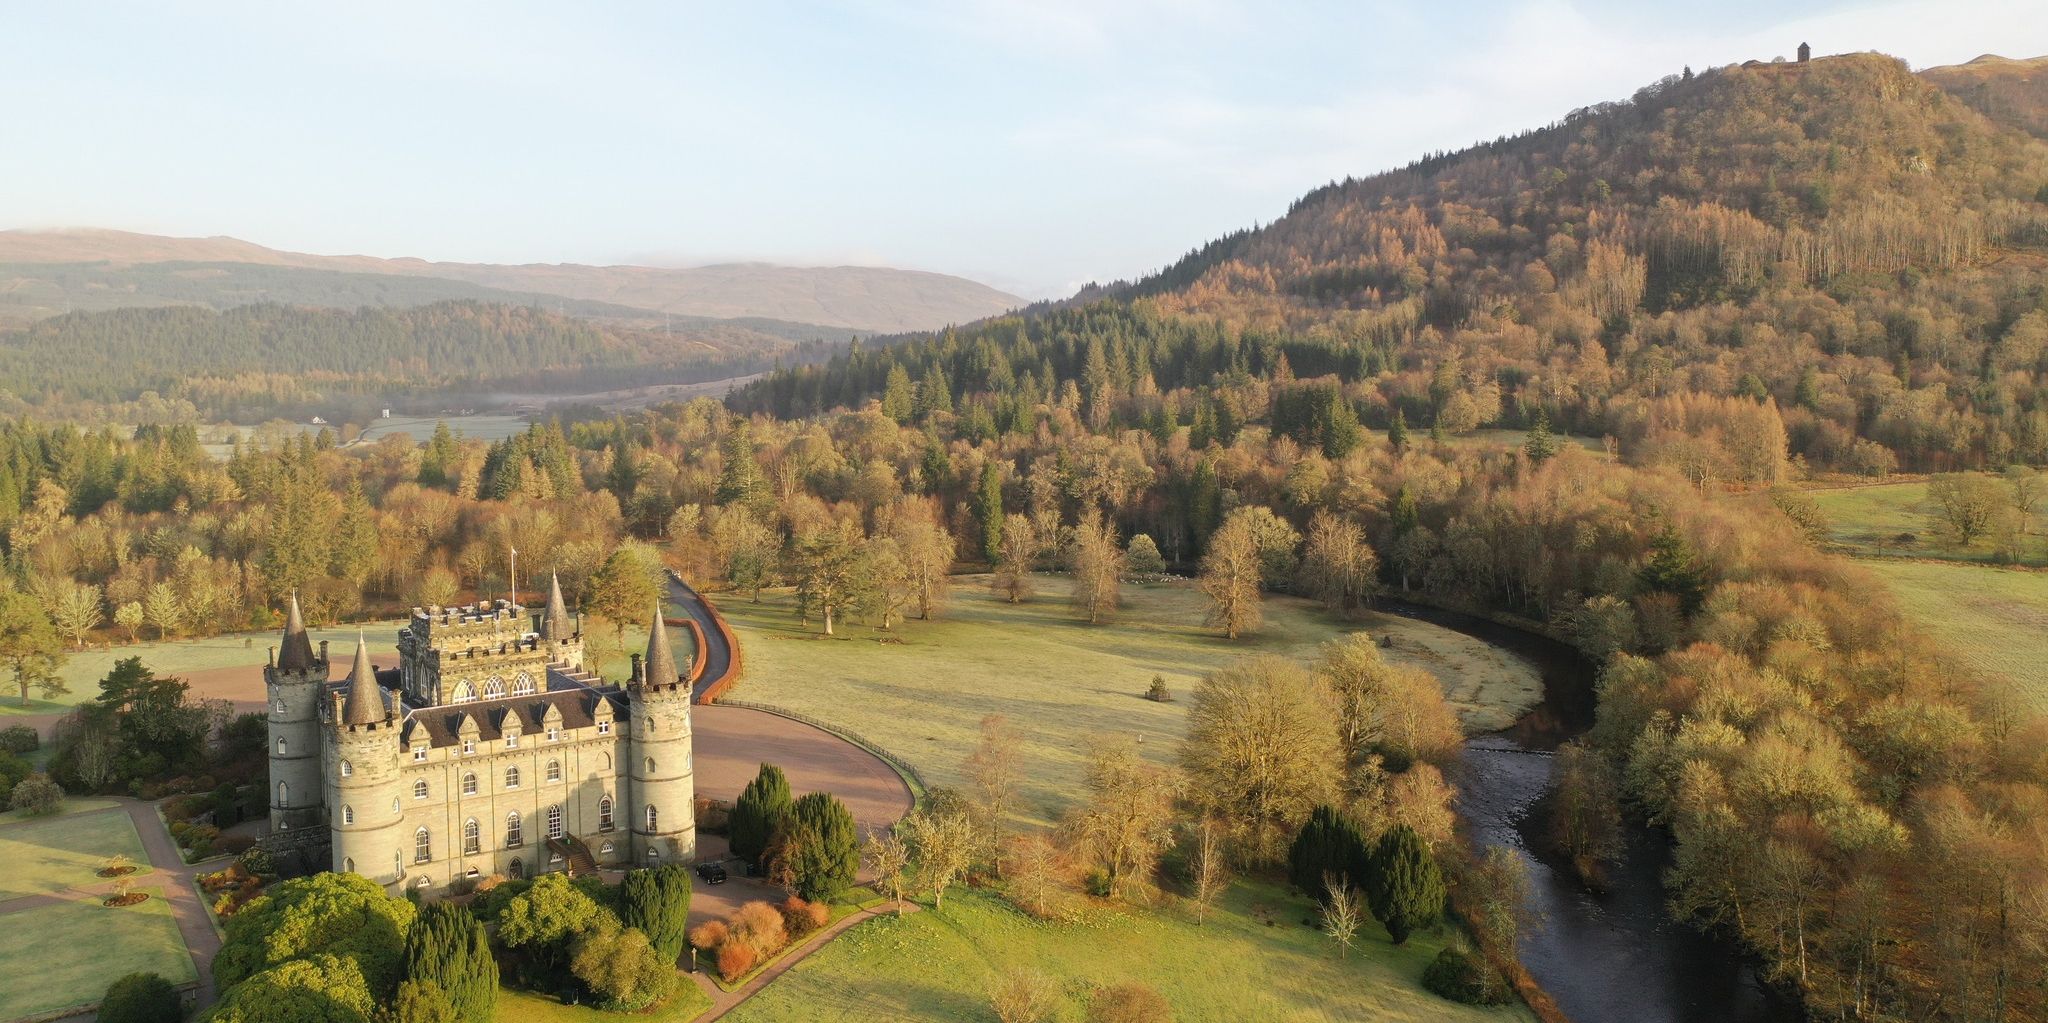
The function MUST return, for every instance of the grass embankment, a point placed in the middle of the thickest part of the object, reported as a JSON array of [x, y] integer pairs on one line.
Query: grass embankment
[[1993, 618], [63, 955], [922, 690], [50, 854], [1254, 959], [687, 1004]]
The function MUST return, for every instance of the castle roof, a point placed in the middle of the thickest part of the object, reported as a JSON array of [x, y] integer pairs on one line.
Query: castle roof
[[576, 706], [295, 653], [661, 661], [555, 625], [365, 703]]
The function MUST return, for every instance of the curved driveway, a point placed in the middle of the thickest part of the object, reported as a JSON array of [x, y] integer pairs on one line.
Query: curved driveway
[[717, 655]]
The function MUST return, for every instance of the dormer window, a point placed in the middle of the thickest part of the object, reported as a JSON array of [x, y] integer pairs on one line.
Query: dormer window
[[468, 746], [511, 740], [554, 734], [604, 728], [419, 754]]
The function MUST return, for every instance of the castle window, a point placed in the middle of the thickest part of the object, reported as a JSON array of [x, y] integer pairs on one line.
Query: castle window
[[653, 854], [523, 685], [347, 769], [278, 707], [394, 806], [512, 740], [652, 818], [607, 849], [555, 821], [650, 765], [419, 754], [554, 734], [349, 865], [511, 777], [468, 746], [284, 795], [419, 789], [604, 813], [513, 836], [462, 693], [518, 868], [604, 728], [280, 745], [472, 838], [554, 770], [495, 688], [422, 848], [348, 815], [469, 784]]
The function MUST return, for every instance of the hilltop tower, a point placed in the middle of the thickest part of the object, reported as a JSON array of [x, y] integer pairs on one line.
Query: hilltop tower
[[362, 770], [662, 780], [293, 680], [1805, 53]]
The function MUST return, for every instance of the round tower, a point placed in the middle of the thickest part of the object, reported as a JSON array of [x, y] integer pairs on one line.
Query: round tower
[[293, 680], [363, 779], [663, 782]]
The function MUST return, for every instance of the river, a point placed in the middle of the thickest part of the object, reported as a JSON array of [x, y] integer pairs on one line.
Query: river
[[1616, 957]]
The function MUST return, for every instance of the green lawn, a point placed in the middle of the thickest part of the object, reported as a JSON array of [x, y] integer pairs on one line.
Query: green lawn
[[689, 1002], [50, 854], [921, 691], [1252, 960], [1895, 520], [1993, 619], [70, 805], [66, 954]]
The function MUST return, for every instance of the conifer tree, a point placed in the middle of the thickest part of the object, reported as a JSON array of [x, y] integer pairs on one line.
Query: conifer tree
[[1329, 844], [820, 848], [988, 511], [1406, 887], [1541, 444], [898, 395], [445, 946], [657, 902], [758, 812]]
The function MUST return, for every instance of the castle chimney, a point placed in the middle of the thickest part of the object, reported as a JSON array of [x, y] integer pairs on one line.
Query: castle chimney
[[638, 669], [271, 657], [323, 651]]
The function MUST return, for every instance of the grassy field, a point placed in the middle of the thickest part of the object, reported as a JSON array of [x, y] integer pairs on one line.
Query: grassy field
[[1895, 520], [1252, 960], [921, 692], [689, 1002], [50, 854], [68, 806], [54, 956], [1993, 619]]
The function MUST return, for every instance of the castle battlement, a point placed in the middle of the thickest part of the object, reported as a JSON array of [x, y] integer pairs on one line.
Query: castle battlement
[[438, 625]]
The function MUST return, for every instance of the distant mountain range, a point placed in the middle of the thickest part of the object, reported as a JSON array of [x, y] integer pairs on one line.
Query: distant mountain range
[[50, 272]]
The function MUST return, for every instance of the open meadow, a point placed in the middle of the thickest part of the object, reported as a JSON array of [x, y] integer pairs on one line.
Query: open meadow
[[66, 953], [1253, 959], [921, 690]]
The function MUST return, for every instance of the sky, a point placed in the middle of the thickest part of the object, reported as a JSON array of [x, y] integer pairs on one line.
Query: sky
[[1034, 145]]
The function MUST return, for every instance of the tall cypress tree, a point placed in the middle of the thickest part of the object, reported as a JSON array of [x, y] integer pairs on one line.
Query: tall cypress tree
[[988, 510], [657, 901], [1329, 844], [758, 812], [823, 851], [1407, 887], [446, 946]]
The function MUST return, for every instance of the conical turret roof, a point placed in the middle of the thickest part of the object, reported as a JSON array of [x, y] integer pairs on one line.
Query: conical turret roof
[[365, 704], [661, 662], [296, 651], [555, 626]]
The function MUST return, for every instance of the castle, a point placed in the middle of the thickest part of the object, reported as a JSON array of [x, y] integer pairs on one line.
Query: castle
[[489, 750]]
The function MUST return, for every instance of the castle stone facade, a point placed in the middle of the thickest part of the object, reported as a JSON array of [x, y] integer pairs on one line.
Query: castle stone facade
[[489, 750]]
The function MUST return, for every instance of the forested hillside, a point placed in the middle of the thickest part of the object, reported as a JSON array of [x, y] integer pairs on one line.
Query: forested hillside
[[254, 362], [1840, 241], [2012, 92]]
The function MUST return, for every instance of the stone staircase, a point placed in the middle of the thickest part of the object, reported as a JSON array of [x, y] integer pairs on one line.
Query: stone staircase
[[575, 854]]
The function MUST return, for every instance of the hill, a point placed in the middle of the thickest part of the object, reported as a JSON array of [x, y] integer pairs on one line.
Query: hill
[[2011, 92], [1841, 240], [99, 267]]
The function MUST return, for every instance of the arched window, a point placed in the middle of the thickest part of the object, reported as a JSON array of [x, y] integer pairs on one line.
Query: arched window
[[280, 745], [462, 693], [348, 814], [394, 806], [607, 849], [349, 864], [347, 769], [652, 818], [279, 707], [472, 837], [469, 784], [555, 821], [495, 688], [650, 765], [422, 846], [654, 854], [511, 777], [419, 789], [604, 813], [523, 685], [554, 770], [514, 835], [284, 794], [518, 868]]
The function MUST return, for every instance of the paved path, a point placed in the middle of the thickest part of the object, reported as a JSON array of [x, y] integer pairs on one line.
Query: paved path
[[717, 655], [723, 1001], [171, 876]]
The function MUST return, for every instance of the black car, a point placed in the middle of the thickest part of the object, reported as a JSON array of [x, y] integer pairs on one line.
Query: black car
[[712, 873]]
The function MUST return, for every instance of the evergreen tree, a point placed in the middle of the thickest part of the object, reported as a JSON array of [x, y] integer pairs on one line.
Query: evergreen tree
[[739, 480], [440, 453], [446, 947], [1541, 444], [820, 848], [355, 537], [141, 998], [758, 812], [1406, 886], [1330, 844], [1673, 568], [657, 901], [898, 395], [988, 511]]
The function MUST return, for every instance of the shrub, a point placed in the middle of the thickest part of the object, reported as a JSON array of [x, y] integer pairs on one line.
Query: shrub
[[141, 998], [23, 739], [1464, 976], [708, 935], [257, 862], [234, 845], [1128, 1003], [621, 965], [187, 808], [735, 958], [801, 918], [1158, 693], [1096, 884], [36, 795], [759, 925]]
